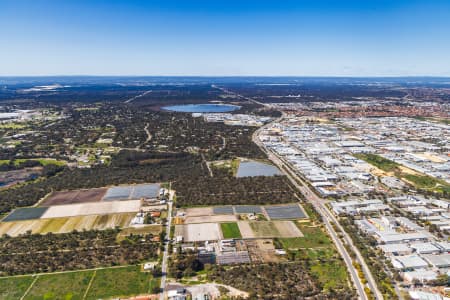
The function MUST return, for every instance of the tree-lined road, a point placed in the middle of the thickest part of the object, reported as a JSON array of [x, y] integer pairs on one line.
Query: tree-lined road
[[166, 252]]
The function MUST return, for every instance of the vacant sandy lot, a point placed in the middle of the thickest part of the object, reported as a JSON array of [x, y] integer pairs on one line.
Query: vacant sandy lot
[[246, 230], [210, 219], [287, 229], [199, 232], [98, 208], [262, 250], [66, 224], [199, 211], [268, 229]]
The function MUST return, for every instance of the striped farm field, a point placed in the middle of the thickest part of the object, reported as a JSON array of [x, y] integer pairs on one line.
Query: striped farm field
[[68, 224]]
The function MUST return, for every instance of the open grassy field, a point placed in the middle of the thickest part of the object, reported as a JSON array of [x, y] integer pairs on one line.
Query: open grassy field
[[428, 183], [418, 180], [71, 285], [313, 237], [116, 282], [231, 165], [230, 230], [264, 229], [42, 161], [12, 126], [12, 288], [105, 284], [378, 161], [317, 248], [331, 274]]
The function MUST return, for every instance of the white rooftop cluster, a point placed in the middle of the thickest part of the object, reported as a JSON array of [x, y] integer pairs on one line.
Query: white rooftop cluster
[[235, 119], [422, 146], [322, 155]]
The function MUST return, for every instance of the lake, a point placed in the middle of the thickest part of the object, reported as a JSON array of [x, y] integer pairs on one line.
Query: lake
[[254, 168], [202, 108]]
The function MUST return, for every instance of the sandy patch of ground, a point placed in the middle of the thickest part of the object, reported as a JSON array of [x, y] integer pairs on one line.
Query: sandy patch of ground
[[210, 219], [199, 211], [261, 250], [99, 208], [287, 229], [199, 232], [246, 230], [408, 171], [268, 229], [200, 290], [431, 157]]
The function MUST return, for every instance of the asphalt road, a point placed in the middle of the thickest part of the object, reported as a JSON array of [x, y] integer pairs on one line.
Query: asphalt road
[[165, 254]]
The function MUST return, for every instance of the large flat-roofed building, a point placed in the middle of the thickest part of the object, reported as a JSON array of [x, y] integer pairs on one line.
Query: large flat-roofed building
[[443, 246], [425, 248], [408, 224], [421, 275], [409, 262], [396, 238], [354, 206], [395, 249], [439, 260]]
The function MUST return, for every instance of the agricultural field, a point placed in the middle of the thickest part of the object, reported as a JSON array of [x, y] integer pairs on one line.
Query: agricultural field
[[290, 211], [247, 209], [264, 229], [72, 197], [210, 219], [313, 237], [240, 221], [268, 229], [67, 224], [12, 288], [230, 230], [76, 285], [28, 213], [70, 285], [98, 208], [118, 282]]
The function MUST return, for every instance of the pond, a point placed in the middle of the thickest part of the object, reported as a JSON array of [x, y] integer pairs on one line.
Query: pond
[[202, 108], [254, 168]]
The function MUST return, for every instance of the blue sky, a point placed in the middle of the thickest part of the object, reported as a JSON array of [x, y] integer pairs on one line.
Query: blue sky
[[305, 38]]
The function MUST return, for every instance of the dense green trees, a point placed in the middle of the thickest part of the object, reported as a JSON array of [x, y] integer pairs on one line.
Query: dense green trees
[[276, 281], [70, 251], [184, 265], [187, 171]]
